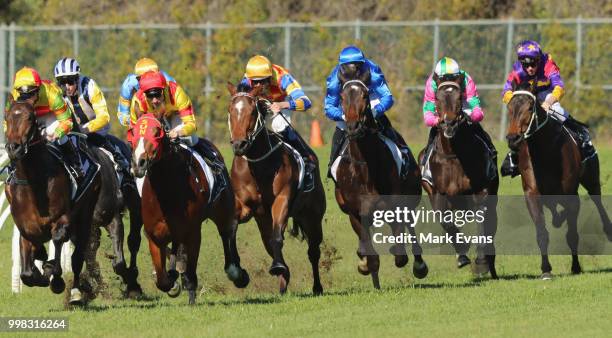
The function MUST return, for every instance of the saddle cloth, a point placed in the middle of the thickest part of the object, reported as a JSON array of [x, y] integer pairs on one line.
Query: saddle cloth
[[393, 148], [89, 166]]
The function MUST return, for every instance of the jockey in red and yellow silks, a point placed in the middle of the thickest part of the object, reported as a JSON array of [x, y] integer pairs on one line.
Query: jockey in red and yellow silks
[[51, 111], [172, 100]]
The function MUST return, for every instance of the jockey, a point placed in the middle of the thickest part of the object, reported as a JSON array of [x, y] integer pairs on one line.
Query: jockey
[[448, 69], [286, 96], [158, 95], [51, 112], [130, 86], [91, 116], [381, 100], [535, 65]]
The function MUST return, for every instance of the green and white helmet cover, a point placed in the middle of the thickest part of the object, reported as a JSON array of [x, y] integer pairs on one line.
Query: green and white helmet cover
[[447, 66]]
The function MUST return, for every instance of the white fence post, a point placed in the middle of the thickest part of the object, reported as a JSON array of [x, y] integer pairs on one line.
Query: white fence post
[[75, 40], [287, 45], [3, 75], [357, 30], [208, 88], [578, 59], [436, 41], [11, 66], [507, 65]]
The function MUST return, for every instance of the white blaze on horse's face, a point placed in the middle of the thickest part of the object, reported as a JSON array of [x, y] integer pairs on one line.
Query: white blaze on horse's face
[[239, 108], [140, 150]]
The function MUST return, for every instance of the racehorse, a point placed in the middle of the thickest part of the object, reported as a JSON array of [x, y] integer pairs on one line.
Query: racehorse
[[175, 201], [367, 168], [550, 164], [463, 176], [265, 176], [39, 194]]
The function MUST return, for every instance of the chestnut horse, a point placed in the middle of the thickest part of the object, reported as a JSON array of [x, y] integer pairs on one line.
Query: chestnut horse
[[460, 170], [175, 202], [368, 169], [550, 164], [39, 194], [265, 177]]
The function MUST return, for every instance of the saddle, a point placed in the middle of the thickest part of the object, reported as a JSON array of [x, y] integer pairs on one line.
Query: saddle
[[214, 169], [90, 167]]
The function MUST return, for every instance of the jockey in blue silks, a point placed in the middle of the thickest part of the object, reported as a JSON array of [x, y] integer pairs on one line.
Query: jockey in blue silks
[[380, 97]]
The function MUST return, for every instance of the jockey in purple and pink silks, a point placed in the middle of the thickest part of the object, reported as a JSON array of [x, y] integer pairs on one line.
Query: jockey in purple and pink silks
[[533, 65], [448, 69]]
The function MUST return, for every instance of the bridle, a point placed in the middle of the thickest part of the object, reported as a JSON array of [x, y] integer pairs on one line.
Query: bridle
[[361, 128], [450, 127], [34, 128], [260, 125], [534, 116]]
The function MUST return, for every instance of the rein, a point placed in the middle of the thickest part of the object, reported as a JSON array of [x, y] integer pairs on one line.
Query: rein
[[449, 128]]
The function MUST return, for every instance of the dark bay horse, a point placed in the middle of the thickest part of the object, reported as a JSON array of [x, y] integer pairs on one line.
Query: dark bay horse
[[550, 164], [368, 169], [175, 202], [265, 177], [461, 174], [40, 198]]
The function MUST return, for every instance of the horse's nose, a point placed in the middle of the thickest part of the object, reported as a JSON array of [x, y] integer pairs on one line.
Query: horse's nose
[[513, 140], [239, 147]]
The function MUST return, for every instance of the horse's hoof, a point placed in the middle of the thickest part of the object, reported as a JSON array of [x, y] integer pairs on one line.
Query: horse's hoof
[[278, 269], [192, 297], [480, 267], [76, 297], [134, 291], [462, 260], [362, 267], [57, 285], [547, 276], [283, 283], [243, 280], [576, 270], [317, 290], [420, 269], [175, 290], [401, 261]]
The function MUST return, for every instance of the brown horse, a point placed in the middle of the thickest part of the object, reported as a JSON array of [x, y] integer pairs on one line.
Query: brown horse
[[265, 177], [175, 201], [461, 173], [368, 169], [39, 195], [550, 164]]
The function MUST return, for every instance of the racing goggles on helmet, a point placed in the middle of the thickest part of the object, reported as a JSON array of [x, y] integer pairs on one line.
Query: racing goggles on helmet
[[528, 62], [26, 92], [67, 80], [154, 93]]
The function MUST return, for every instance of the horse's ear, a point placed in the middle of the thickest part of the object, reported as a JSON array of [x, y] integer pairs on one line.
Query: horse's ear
[[11, 99], [461, 79], [365, 75], [231, 88], [514, 85], [435, 78]]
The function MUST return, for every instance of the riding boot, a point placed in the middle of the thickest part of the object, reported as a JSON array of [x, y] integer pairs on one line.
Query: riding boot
[[210, 155], [72, 158], [425, 172], [337, 141], [294, 140], [510, 165], [584, 137], [123, 164]]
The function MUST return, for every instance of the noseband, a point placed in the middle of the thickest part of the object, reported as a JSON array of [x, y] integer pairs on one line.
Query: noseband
[[534, 116], [361, 128]]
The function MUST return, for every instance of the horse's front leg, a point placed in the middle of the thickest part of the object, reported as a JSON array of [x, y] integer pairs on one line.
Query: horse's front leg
[[133, 203], [534, 205], [280, 215], [30, 275], [440, 202], [369, 260], [573, 208]]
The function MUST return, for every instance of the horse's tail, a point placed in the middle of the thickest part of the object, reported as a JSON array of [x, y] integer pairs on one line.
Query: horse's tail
[[296, 229]]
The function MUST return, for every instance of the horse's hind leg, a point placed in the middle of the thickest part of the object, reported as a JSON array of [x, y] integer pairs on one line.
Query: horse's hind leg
[[535, 210], [572, 233], [314, 235], [590, 181], [115, 231], [78, 258], [30, 275]]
